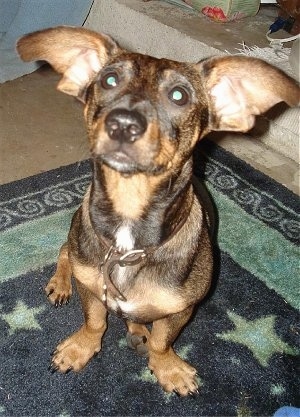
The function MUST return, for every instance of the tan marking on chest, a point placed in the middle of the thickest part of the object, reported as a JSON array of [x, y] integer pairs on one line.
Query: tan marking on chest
[[151, 305]]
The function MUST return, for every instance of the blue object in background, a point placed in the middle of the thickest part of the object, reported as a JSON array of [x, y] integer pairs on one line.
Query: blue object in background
[[287, 412], [18, 17]]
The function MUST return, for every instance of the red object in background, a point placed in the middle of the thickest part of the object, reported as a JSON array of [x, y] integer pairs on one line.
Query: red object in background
[[214, 13]]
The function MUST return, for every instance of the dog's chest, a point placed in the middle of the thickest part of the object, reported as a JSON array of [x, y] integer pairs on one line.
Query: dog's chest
[[146, 305], [144, 300]]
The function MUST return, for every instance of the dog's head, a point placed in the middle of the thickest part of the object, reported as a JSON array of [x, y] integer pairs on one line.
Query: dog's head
[[146, 114]]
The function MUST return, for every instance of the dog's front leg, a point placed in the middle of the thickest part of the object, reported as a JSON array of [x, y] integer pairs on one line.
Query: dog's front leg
[[59, 287], [173, 373], [75, 351]]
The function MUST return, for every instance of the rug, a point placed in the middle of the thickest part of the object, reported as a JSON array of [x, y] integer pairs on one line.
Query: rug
[[243, 339]]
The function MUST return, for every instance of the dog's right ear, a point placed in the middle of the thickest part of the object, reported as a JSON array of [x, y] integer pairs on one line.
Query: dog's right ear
[[76, 53]]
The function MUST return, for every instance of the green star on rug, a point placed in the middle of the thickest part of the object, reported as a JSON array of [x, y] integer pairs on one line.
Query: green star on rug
[[257, 335], [22, 317]]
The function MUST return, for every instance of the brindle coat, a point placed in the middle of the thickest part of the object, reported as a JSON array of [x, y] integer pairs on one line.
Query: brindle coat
[[144, 116]]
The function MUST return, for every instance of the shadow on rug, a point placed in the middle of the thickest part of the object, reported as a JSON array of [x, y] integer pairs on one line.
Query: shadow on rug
[[243, 338]]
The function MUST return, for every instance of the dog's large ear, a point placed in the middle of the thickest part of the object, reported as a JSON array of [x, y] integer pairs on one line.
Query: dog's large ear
[[77, 53], [239, 88]]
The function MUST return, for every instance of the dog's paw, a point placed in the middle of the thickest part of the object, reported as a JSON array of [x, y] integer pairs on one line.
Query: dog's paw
[[59, 291], [174, 374], [138, 343], [74, 353]]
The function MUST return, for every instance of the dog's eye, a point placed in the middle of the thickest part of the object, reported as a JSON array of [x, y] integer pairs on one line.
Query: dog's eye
[[110, 80], [179, 96]]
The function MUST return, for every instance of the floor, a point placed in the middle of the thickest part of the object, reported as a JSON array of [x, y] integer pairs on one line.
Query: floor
[[43, 129], [194, 25]]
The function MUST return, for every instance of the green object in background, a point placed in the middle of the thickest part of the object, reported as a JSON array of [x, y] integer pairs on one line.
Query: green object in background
[[225, 10]]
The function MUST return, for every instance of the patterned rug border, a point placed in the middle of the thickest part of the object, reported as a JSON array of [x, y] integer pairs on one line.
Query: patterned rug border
[[25, 200]]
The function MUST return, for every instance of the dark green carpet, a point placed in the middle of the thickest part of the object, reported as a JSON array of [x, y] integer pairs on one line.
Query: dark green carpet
[[244, 339]]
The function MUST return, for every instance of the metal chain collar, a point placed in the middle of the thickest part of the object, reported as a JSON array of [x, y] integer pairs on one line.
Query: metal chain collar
[[114, 257]]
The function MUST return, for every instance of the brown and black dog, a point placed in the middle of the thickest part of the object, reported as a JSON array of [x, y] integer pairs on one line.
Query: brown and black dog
[[139, 244]]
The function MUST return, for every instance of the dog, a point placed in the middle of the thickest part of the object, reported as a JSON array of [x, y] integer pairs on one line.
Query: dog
[[139, 244]]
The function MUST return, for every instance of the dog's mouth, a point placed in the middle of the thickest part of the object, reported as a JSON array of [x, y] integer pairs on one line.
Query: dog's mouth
[[119, 161]]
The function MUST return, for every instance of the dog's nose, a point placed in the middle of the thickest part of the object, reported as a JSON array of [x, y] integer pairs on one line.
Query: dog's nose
[[125, 125]]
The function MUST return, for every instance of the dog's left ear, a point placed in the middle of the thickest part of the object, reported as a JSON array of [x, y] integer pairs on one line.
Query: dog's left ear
[[239, 88], [76, 53]]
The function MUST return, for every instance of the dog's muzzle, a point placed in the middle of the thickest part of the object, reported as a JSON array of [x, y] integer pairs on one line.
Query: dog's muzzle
[[122, 150]]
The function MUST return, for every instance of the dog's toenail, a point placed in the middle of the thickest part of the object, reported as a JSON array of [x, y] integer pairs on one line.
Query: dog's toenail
[[53, 369]]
